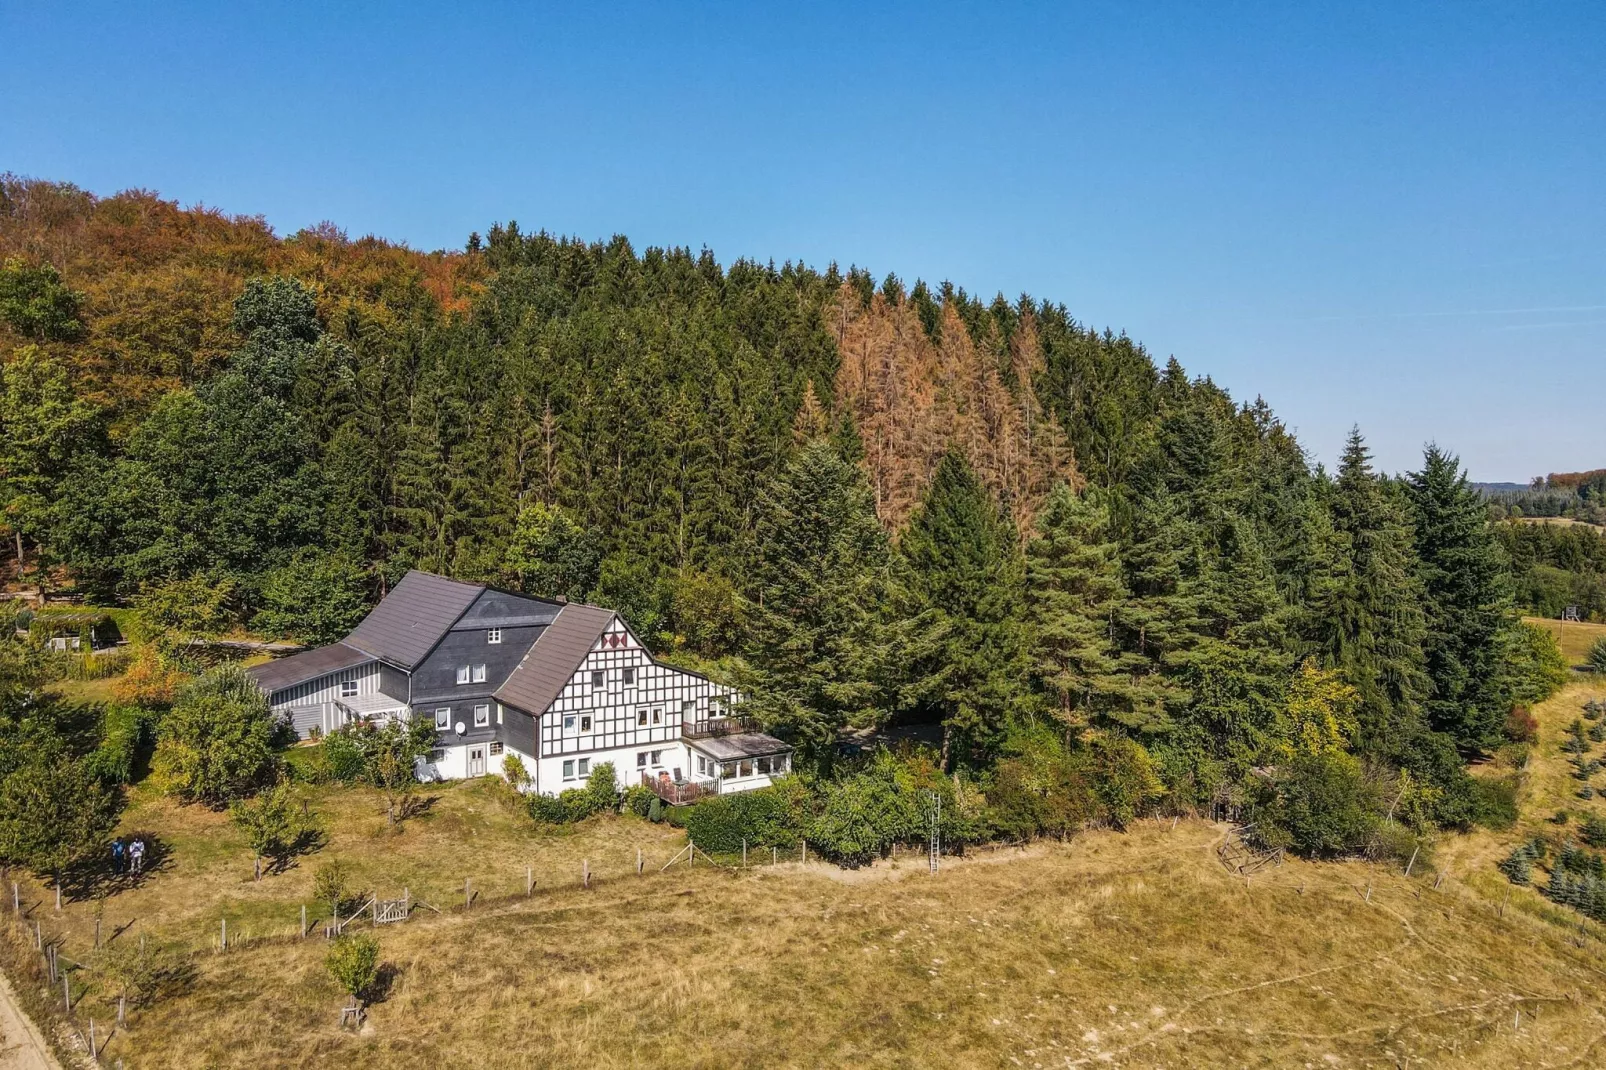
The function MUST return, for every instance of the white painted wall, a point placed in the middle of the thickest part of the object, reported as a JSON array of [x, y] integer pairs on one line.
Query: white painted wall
[[312, 703]]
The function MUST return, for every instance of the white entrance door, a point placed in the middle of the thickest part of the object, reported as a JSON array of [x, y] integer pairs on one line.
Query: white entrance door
[[476, 761]]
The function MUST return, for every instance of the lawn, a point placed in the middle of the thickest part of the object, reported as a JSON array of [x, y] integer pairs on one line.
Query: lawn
[[1574, 637], [1134, 949]]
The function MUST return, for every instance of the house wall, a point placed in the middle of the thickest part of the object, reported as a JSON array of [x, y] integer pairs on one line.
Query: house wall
[[311, 704], [604, 723], [434, 681]]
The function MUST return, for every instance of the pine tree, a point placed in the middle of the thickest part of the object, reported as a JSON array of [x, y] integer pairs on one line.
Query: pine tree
[[1463, 574], [965, 568]]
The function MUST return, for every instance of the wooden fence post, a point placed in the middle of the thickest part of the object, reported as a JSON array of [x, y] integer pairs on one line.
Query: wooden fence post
[[1412, 862], [303, 921], [468, 893], [97, 930], [585, 872], [58, 895], [120, 1011], [94, 1055], [744, 852], [16, 899], [805, 852], [638, 861], [223, 936], [66, 991], [529, 880], [775, 854]]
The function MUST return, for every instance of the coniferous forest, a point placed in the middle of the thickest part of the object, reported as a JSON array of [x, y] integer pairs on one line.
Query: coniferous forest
[[1099, 585]]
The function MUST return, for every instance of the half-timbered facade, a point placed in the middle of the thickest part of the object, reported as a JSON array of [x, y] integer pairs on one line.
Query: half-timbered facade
[[562, 686]]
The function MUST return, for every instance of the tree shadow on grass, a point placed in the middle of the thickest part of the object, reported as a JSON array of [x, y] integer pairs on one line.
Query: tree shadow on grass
[[309, 840], [98, 876], [384, 984]]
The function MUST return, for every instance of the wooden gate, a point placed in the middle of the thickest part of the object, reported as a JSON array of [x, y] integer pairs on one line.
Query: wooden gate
[[389, 910]]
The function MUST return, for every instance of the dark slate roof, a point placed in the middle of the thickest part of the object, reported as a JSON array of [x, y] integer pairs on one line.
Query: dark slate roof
[[554, 658], [504, 609], [308, 665], [413, 617], [740, 745]]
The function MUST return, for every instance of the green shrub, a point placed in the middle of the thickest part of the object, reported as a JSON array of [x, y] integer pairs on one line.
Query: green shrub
[[353, 961], [1320, 805], [600, 795], [1496, 801], [339, 759], [762, 818], [127, 734], [1521, 726], [217, 742], [639, 799], [1122, 777]]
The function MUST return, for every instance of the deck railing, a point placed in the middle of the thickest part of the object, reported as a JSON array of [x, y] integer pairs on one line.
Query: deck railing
[[682, 792], [716, 726]]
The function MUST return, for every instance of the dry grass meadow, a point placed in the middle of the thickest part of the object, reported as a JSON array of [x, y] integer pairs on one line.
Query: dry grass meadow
[[1575, 637], [1135, 949]]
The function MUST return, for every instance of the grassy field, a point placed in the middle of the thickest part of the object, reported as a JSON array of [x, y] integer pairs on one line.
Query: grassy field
[[1574, 637], [1135, 949]]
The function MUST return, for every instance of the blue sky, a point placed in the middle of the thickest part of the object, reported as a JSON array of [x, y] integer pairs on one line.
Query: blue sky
[[1392, 215]]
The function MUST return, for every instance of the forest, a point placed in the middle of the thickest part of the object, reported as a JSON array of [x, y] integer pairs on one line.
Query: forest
[[1106, 586]]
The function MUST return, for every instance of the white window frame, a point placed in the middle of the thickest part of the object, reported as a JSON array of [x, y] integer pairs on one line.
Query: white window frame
[[462, 675], [585, 722], [568, 722], [496, 747], [657, 757], [568, 769], [348, 689], [493, 636], [482, 715], [599, 677], [479, 674], [585, 766], [658, 716], [641, 759], [443, 718], [628, 673], [641, 718]]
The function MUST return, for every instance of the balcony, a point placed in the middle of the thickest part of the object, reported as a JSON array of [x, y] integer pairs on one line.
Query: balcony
[[680, 793], [714, 727]]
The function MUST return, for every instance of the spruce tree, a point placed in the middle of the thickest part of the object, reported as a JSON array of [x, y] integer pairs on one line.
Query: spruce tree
[[1463, 575], [1374, 622], [1074, 592], [819, 572], [966, 570]]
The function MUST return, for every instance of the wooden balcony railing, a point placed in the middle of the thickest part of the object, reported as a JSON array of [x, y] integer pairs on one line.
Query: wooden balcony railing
[[716, 726], [682, 792]]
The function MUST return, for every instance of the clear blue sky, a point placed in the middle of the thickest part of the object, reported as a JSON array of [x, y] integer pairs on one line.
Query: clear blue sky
[[1391, 214]]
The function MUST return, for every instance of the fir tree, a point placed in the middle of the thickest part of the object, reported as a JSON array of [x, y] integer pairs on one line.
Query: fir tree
[[819, 574], [1463, 575], [965, 569], [1074, 591]]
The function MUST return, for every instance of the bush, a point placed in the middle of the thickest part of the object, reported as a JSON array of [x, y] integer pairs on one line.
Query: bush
[[1039, 795], [339, 758], [638, 800], [1322, 805], [762, 818], [126, 736], [600, 795], [353, 962], [1496, 801], [514, 773], [217, 742], [1521, 726], [1122, 776]]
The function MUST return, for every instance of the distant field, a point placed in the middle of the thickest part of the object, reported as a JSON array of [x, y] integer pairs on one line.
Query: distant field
[[1574, 638], [1133, 949]]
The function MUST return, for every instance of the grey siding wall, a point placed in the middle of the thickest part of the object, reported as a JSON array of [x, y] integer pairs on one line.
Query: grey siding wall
[[308, 704], [434, 683]]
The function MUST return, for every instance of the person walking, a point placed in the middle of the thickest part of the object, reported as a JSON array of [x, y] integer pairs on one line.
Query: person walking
[[136, 856], [118, 858]]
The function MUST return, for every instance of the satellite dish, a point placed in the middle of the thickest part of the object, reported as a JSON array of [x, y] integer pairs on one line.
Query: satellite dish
[[461, 728]]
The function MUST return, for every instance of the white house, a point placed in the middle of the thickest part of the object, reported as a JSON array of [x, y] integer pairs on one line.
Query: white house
[[563, 686]]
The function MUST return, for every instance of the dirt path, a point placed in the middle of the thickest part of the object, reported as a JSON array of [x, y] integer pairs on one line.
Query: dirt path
[[21, 1045]]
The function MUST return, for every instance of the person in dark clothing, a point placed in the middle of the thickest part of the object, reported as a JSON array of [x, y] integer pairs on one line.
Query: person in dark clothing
[[117, 856]]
